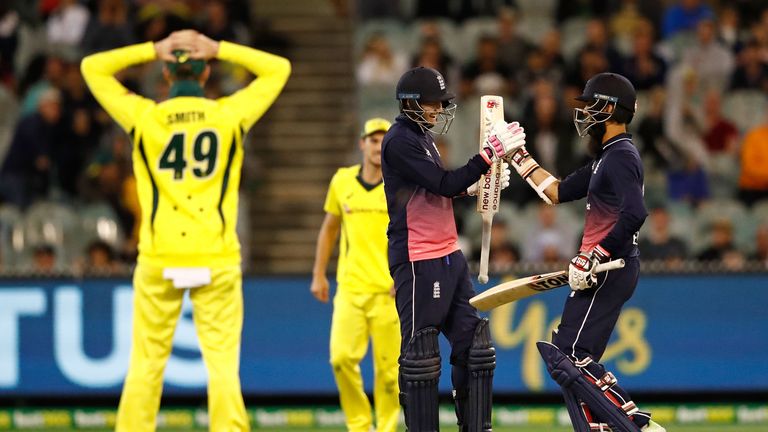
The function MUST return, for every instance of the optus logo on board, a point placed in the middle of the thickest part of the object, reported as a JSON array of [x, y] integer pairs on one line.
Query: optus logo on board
[[61, 314]]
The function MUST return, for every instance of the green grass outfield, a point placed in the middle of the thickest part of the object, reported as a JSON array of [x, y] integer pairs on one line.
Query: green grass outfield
[[743, 417], [674, 428], [731, 428]]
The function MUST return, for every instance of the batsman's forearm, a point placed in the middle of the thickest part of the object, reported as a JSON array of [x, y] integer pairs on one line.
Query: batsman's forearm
[[447, 183], [455, 183], [551, 191], [541, 181]]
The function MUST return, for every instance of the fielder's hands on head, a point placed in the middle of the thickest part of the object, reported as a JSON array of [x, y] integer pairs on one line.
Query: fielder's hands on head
[[503, 140], [581, 271], [505, 175], [164, 49], [198, 45], [204, 47], [319, 288]]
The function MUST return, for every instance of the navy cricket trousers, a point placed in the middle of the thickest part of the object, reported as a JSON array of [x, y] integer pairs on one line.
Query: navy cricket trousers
[[590, 315], [436, 293]]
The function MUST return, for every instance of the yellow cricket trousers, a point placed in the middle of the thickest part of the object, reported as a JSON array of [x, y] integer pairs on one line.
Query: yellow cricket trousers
[[218, 316], [356, 318]]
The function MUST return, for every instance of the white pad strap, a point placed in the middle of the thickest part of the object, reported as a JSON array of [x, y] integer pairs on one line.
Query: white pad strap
[[545, 184], [542, 187], [607, 381], [630, 408]]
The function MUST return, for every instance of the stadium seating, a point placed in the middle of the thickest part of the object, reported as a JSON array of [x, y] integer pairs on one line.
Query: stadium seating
[[451, 37], [570, 215], [393, 30], [377, 101], [11, 234], [52, 224], [723, 174], [760, 212], [537, 8], [573, 36], [671, 49], [473, 223], [98, 221], [718, 209], [470, 32], [745, 108], [643, 104], [8, 117]]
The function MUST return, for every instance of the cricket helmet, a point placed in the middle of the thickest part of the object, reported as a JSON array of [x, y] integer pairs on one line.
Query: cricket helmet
[[600, 91], [423, 84]]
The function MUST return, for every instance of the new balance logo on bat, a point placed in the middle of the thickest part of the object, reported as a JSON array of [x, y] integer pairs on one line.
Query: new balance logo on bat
[[491, 190]]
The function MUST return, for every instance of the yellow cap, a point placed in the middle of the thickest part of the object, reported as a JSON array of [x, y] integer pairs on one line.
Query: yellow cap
[[375, 125]]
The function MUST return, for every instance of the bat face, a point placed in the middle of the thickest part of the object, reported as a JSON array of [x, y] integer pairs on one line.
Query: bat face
[[518, 289], [489, 189], [528, 286], [489, 185], [545, 282]]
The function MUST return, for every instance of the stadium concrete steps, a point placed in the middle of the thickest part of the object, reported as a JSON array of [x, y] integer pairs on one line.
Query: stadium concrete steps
[[306, 135]]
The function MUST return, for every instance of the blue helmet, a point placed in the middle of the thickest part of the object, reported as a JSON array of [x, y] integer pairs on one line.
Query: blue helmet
[[420, 85], [600, 91]]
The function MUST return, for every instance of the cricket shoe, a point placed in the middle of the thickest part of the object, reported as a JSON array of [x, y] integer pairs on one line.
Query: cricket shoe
[[652, 426]]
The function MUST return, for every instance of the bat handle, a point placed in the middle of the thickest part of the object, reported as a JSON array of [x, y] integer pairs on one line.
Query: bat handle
[[485, 248], [610, 265]]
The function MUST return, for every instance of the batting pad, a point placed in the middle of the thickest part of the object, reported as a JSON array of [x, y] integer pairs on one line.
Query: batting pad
[[420, 374], [569, 377]]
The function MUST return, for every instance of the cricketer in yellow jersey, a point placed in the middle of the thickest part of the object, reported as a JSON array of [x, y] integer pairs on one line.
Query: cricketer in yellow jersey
[[187, 157], [364, 305]]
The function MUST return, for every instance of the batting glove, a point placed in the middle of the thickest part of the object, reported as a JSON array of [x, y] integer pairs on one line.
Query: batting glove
[[503, 140], [506, 173], [524, 164], [581, 271]]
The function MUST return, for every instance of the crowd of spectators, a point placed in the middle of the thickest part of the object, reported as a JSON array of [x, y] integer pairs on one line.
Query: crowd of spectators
[[701, 71], [57, 144]]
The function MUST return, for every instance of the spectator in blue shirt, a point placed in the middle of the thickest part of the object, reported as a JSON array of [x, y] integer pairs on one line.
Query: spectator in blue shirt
[[685, 15]]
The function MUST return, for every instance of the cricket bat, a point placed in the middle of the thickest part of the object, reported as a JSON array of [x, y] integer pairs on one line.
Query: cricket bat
[[528, 286], [489, 185]]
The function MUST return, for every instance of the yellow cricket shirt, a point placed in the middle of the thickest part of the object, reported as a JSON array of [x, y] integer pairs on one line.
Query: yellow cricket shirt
[[187, 153], [363, 264]]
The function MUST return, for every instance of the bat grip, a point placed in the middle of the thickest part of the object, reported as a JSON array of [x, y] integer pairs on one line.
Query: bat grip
[[485, 247], [610, 265]]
